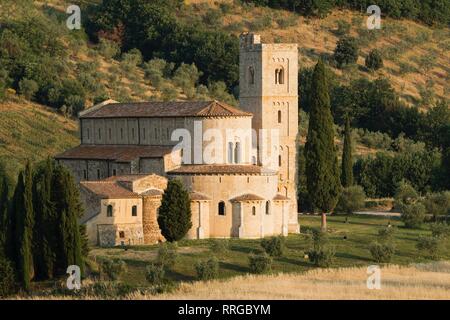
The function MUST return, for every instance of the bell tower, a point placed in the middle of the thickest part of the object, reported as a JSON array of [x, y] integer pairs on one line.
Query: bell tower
[[268, 84]]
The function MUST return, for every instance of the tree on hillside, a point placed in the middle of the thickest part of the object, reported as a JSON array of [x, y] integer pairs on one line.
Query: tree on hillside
[[322, 169], [23, 231], [69, 209], [346, 51], [174, 217], [347, 160], [374, 61], [45, 227]]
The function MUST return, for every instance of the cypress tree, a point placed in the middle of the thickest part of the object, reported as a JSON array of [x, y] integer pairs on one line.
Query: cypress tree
[[23, 212], [347, 160], [69, 209], [174, 217], [322, 169], [45, 224], [4, 212]]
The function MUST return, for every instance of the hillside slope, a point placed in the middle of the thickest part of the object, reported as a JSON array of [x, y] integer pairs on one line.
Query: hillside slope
[[34, 132]]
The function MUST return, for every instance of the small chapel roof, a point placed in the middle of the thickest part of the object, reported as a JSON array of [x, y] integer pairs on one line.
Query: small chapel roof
[[247, 197], [158, 109], [197, 196], [108, 189]]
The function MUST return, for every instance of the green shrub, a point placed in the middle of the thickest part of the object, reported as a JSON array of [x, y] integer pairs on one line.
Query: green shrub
[[405, 194], [28, 88], [155, 274], [321, 254], [274, 246], [382, 252], [207, 270], [440, 230], [437, 204], [346, 51], [429, 246], [343, 28], [219, 246], [108, 49], [260, 263], [7, 282], [351, 200], [112, 269], [386, 234], [374, 61], [413, 215], [167, 255]]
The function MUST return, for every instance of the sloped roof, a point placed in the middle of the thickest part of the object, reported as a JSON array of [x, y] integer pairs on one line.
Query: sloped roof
[[119, 153], [247, 197], [160, 109], [197, 196], [280, 197], [108, 190], [152, 193], [221, 169]]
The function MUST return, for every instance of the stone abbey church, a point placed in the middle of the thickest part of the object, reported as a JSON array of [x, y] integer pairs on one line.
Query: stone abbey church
[[127, 155]]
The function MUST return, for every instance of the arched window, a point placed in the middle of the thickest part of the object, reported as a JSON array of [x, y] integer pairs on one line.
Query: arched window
[[221, 208], [254, 211], [109, 211], [237, 153], [267, 207], [230, 152], [279, 76], [251, 75], [279, 116], [134, 211]]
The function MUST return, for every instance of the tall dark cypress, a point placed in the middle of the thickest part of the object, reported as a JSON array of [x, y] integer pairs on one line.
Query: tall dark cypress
[[45, 222], [69, 209], [347, 159], [23, 233], [4, 214], [322, 168]]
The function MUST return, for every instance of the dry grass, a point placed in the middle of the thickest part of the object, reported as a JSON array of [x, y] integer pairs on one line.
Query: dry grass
[[422, 281]]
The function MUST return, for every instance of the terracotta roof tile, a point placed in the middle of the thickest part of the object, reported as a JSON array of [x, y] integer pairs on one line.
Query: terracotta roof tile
[[108, 190], [164, 109], [152, 193], [119, 153], [221, 169], [247, 197], [280, 197]]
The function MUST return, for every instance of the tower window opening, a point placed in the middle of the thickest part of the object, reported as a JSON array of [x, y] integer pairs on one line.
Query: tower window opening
[[254, 211], [251, 75], [230, 152], [279, 116], [267, 207], [279, 76], [109, 211], [279, 160], [237, 152], [134, 211], [221, 208]]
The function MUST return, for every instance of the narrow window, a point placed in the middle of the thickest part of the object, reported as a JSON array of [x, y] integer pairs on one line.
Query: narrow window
[[237, 153], [167, 133], [134, 211], [276, 75], [254, 210], [254, 160], [267, 207], [143, 134], [279, 116], [121, 133], [122, 234], [281, 76], [279, 160], [85, 174], [99, 133], [98, 174], [251, 75], [156, 133], [230, 152], [88, 133], [221, 208], [109, 133], [109, 211], [132, 133], [114, 172]]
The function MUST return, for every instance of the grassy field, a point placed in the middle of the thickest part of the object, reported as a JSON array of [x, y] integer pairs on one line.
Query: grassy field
[[32, 131], [353, 251]]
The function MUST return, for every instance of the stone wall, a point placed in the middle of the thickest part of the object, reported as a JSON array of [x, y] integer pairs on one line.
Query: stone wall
[[119, 234]]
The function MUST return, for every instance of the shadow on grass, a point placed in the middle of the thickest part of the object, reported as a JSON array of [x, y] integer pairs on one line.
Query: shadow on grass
[[233, 267], [346, 255], [174, 275], [295, 262]]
